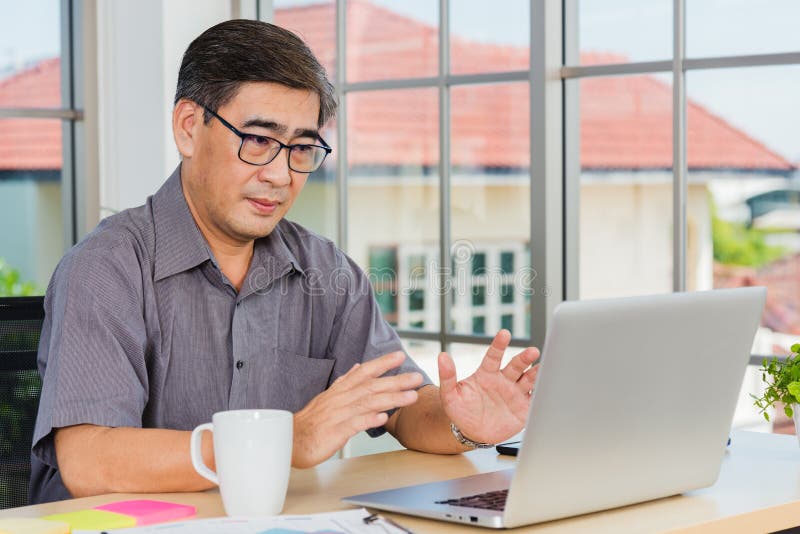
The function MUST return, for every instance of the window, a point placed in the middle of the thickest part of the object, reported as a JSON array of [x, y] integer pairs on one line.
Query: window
[[479, 325], [386, 180], [748, 216], [736, 153], [507, 294], [382, 272], [625, 212], [416, 300], [37, 119], [436, 154], [507, 262]]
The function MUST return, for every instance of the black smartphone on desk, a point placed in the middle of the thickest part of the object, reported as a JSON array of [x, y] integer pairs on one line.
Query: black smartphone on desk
[[510, 448]]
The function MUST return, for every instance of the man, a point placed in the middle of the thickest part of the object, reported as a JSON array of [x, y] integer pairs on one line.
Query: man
[[207, 299]]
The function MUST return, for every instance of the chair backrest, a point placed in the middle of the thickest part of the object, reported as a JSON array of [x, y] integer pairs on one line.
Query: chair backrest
[[20, 385]]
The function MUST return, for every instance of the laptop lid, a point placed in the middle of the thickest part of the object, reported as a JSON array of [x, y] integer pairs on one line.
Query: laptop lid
[[634, 401]]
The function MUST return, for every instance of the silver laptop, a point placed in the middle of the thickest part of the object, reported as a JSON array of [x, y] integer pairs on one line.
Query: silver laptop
[[634, 402]]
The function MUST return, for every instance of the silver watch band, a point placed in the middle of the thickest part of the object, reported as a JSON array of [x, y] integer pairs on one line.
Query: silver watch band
[[464, 440]]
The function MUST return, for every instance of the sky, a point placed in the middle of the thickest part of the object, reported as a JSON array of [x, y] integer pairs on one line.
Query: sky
[[761, 101]]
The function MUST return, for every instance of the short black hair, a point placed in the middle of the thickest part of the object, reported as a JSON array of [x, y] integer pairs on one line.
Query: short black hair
[[238, 51]]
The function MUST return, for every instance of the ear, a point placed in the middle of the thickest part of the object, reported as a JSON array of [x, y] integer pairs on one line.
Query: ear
[[187, 119]]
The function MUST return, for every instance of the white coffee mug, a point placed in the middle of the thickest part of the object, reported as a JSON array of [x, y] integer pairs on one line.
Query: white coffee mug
[[253, 453]]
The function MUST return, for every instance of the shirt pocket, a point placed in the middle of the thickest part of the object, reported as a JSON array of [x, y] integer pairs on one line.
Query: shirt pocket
[[296, 379]]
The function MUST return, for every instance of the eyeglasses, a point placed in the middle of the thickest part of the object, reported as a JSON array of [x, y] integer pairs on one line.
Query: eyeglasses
[[261, 150]]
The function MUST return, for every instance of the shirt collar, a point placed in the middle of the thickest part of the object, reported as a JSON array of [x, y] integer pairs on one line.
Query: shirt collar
[[272, 259], [181, 246], [178, 241]]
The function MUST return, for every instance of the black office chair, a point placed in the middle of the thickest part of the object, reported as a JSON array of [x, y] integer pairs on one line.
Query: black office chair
[[20, 385]]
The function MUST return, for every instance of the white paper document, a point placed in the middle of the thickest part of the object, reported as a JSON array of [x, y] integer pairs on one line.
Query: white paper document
[[344, 522]]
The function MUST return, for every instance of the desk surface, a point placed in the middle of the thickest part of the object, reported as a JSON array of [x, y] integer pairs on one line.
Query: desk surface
[[758, 491]]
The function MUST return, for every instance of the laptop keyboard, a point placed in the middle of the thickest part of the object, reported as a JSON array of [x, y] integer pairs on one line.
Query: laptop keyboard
[[491, 500]]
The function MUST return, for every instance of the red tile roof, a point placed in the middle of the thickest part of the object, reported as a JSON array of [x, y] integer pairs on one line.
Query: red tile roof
[[782, 277], [33, 144], [626, 121]]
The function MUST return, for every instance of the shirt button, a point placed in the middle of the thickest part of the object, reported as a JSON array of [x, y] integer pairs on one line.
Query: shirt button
[[239, 364]]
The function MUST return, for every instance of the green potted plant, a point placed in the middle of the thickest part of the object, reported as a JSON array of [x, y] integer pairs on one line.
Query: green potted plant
[[782, 380]]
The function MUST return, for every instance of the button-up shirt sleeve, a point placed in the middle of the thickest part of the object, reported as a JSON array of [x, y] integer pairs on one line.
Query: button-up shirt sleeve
[[91, 353], [359, 332]]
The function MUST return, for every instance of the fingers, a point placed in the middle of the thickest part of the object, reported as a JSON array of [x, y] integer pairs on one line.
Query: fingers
[[447, 374], [339, 413], [382, 402], [379, 366], [401, 382], [367, 421], [528, 379], [351, 383], [348, 373], [494, 355], [520, 363]]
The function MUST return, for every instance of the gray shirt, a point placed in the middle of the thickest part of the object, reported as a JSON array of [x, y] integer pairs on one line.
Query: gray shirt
[[142, 329]]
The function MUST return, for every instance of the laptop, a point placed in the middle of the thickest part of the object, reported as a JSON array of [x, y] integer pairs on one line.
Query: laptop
[[634, 402]]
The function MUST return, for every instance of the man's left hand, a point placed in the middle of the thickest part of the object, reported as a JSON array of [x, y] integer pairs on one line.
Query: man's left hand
[[491, 405]]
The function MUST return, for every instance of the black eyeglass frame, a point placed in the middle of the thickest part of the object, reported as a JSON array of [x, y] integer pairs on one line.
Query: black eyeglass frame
[[289, 148]]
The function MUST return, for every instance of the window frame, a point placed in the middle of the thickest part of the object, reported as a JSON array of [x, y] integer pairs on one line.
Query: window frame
[[546, 194], [79, 179], [554, 149]]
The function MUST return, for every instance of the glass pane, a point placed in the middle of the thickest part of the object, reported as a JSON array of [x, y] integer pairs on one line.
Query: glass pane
[[315, 23], [490, 207], [744, 218], [484, 38], [389, 39], [424, 354], [507, 293], [732, 27], [479, 295], [625, 218], [623, 31], [31, 221], [30, 48], [507, 262], [316, 206], [393, 200], [478, 325], [416, 301]]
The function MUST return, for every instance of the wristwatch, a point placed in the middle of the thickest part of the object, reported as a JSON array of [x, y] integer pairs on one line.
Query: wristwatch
[[462, 439]]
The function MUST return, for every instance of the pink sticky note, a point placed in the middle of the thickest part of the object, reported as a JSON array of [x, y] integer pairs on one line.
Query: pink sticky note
[[147, 512]]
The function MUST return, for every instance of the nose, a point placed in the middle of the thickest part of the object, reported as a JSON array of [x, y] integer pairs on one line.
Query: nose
[[277, 171]]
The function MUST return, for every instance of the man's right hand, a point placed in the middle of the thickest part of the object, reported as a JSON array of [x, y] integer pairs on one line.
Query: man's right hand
[[356, 401]]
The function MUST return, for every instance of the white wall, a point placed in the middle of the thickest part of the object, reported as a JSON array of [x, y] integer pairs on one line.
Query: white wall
[[139, 48]]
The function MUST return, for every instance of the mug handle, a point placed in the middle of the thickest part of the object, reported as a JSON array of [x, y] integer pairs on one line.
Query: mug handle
[[197, 453]]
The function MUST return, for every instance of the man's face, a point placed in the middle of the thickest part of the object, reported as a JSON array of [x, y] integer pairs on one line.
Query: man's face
[[237, 202]]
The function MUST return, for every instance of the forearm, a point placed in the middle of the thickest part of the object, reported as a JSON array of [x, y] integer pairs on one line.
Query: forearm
[[95, 460], [423, 426]]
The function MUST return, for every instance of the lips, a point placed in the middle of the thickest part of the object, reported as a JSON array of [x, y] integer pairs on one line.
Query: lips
[[263, 205]]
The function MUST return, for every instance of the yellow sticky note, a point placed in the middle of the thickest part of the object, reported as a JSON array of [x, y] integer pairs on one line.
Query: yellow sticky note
[[32, 526], [93, 520]]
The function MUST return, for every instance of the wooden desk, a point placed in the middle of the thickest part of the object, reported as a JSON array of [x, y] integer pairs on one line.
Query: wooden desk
[[758, 491]]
